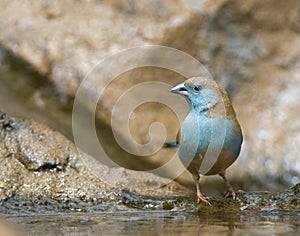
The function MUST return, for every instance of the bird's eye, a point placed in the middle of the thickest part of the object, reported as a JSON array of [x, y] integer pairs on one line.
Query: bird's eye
[[198, 88]]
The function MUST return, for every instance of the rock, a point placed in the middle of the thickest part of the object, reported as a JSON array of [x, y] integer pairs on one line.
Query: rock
[[39, 162], [98, 33], [251, 48], [32, 147]]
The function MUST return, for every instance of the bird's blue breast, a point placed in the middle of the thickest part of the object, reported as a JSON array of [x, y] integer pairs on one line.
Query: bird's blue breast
[[200, 133]]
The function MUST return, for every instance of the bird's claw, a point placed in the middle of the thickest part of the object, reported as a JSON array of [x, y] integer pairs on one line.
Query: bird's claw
[[230, 193], [201, 198]]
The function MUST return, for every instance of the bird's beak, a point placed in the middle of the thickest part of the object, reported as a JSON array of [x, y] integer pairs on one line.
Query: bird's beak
[[180, 89]]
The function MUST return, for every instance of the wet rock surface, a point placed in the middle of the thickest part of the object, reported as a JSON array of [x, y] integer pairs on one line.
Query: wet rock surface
[[246, 202]]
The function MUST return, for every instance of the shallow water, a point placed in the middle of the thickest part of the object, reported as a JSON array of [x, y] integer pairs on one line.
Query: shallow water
[[161, 223]]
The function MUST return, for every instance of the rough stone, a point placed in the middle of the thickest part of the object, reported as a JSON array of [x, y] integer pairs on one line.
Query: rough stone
[[55, 170]]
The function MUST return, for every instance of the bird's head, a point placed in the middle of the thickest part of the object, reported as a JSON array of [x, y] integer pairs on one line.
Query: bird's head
[[200, 92]]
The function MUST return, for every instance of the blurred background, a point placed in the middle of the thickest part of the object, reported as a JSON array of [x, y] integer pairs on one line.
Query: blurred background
[[251, 47]]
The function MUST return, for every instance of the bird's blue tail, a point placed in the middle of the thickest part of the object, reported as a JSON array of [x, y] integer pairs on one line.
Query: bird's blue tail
[[170, 144]]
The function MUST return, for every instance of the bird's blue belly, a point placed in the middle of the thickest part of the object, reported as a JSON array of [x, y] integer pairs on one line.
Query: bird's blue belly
[[201, 134]]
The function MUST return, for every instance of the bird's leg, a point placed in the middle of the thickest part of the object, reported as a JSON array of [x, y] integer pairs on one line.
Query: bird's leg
[[200, 197], [230, 191]]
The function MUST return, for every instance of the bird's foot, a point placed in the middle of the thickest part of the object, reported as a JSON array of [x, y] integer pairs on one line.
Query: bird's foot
[[201, 198], [230, 193]]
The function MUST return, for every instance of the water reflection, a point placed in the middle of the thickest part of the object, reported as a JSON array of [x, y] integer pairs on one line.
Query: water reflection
[[162, 223]]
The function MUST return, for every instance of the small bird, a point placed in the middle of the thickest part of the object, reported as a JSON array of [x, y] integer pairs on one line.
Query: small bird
[[210, 137]]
